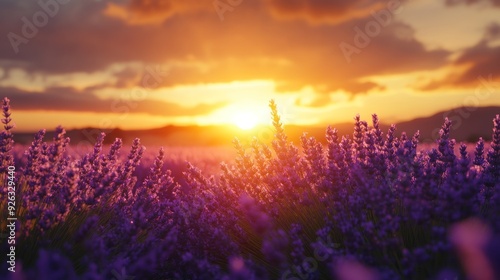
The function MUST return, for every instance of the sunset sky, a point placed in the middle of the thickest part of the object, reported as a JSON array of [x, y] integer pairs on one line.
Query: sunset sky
[[145, 63]]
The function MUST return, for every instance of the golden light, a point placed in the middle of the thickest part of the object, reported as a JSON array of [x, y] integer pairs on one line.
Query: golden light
[[245, 120]]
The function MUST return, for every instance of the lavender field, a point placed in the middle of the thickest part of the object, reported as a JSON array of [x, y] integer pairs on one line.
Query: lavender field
[[371, 205]]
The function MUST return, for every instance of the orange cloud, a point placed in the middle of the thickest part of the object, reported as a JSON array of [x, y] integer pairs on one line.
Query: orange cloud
[[323, 11], [69, 99], [478, 62], [198, 48], [153, 12]]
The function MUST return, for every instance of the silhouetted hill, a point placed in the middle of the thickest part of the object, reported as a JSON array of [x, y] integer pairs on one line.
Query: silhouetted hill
[[467, 126]]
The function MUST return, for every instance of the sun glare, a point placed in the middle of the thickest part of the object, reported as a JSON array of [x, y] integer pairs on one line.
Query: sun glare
[[245, 121]]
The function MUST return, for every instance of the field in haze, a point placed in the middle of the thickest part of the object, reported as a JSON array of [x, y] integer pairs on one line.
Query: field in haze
[[250, 140], [369, 205], [468, 125]]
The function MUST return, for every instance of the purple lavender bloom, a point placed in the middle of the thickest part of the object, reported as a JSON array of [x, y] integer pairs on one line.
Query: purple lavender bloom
[[370, 206], [6, 137]]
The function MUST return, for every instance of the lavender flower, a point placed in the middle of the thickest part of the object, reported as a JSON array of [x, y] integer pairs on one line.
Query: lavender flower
[[370, 206], [6, 138]]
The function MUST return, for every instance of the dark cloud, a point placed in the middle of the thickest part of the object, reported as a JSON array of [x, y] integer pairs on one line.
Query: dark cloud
[[295, 56], [69, 99], [481, 60], [313, 11], [80, 38], [126, 78], [199, 48], [492, 32]]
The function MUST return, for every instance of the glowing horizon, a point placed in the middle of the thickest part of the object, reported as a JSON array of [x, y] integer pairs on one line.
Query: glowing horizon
[[187, 64]]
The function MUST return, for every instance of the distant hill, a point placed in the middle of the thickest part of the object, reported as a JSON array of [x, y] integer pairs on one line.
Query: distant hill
[[468, 126]]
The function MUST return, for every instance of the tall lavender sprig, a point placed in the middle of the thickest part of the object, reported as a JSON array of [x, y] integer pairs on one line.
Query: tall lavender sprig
[[6, 137], [494, 152], [358, 134], [492, 175], [446, 144], [377, 131], [479, 153]]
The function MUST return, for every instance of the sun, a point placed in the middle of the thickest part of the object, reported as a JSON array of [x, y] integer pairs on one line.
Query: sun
[[245, 120]]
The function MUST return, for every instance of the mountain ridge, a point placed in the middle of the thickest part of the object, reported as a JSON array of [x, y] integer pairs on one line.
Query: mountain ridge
[[468, 125]]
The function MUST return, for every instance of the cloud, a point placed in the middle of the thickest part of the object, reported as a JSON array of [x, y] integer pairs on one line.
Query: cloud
[[199, 49], [495, 3], [69, 99], [317, 101], [312, 11], [323, 11], [492, 32], [295, 56], [154, 12], [480, 60]]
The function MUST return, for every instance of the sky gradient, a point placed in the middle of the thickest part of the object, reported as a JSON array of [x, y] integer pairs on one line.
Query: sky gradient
[[142, 64]]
